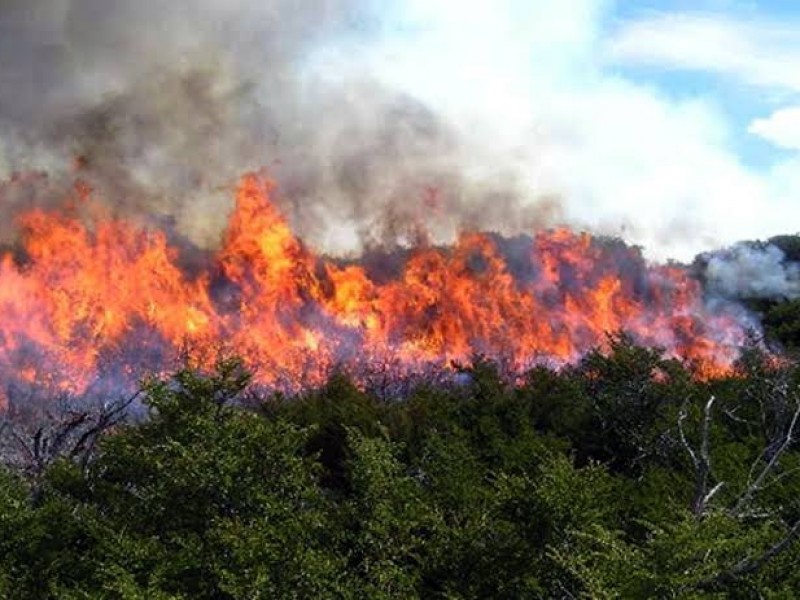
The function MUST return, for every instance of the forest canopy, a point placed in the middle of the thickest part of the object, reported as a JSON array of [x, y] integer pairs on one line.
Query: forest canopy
[[624, 476]]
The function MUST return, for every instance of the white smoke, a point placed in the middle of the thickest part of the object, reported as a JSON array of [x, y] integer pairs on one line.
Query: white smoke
[[753, 271]]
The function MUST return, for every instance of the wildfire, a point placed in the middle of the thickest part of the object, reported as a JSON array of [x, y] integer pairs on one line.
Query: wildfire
[[82, 302]]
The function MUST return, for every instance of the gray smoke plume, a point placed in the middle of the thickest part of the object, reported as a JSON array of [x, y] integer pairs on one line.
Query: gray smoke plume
[[164, 104], [752, 271]]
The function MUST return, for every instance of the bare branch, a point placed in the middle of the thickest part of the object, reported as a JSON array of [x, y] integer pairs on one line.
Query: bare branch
[[701, 493], [756, 485], [749, 566], [684, 441], [731, 414], [701, 460], [710, 495], [31, 445]]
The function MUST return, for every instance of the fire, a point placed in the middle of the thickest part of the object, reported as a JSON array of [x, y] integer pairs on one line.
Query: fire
[[105, 298]]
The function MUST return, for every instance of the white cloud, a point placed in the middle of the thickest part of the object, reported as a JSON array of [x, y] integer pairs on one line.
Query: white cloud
[[758, 52], [781, 128], [754, 50]]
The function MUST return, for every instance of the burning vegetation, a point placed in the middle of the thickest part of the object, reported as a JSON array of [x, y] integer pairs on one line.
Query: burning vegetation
[[91, 298], [199, 391]]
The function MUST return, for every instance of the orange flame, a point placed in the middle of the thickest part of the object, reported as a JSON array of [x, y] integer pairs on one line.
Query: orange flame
[[110, 300]]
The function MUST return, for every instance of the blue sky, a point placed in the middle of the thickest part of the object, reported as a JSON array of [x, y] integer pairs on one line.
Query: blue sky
[[731, 89], [674, 123]]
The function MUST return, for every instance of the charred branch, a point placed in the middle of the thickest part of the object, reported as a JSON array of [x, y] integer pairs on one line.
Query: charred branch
[[30, 444]]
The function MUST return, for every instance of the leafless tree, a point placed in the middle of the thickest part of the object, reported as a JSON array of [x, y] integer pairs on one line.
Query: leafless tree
[[701, 460], [780, 414], [36, 431]]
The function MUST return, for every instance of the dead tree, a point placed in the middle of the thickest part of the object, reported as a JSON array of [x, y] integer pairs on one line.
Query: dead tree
[[34, 436], [762, 472], [701, 460]]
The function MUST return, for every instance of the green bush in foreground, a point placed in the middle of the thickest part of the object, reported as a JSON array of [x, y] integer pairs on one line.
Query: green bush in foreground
[[622, 477]]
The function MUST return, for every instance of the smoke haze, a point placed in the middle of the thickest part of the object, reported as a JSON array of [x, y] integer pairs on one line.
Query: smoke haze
[[752, 271], [164, 104]]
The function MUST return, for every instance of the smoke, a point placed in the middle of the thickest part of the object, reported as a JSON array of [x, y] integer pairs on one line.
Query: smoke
[[752, 271], [163, 105]]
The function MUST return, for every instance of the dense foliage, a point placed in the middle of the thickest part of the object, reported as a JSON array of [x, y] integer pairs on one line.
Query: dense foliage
[[621, 477]]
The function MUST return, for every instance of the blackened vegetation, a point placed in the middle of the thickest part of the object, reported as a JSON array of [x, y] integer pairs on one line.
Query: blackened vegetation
[[623, 476]]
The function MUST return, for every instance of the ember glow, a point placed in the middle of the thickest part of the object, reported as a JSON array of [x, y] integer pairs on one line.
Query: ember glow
[[106, 299]]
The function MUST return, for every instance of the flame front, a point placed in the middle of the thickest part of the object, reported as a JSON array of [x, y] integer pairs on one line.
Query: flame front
[[81, 303]]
